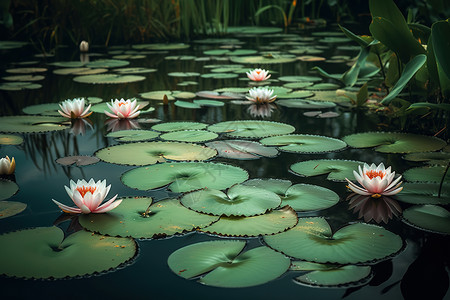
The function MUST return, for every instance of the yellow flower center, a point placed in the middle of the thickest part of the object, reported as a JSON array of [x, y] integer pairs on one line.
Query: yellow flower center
[[372, 174], [84, 189]]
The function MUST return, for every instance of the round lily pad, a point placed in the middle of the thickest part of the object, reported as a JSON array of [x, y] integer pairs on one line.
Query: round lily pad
[[108, 79], [171, 95], [238, 149], [272, 222], [424, 193], [82, 253], [6, 45], [209, 103], [139, 218], [427, 174], [175, 126], [136, 70], [68, 64], [312, 240], [299, 78], [79, 71], [8, 188], [428, 217], [239, 200], [394, 142], [107, 63], [165, 46], [264, 60], [191, 136], [252, 30], [10, 208], [337, 170], [303, 143], [29, 124], [251, 129], [147, 153], [226, 265], [185, 104], [24, 78], [133, 135], [183, 74], [306, 104], [323, 86], [42, 109], [10, 139], [220, 75], [431, 158], [295, 95], [184, 176], [19, 85], [222, 95], [26, 70], [79, 160]]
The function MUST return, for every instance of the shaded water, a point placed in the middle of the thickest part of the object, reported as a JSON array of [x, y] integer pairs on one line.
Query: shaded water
[[41, 179]]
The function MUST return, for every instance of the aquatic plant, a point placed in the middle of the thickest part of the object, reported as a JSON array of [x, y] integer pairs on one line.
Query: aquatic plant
[[258, 74], [261, 95], [123, 109], [7, 165], [74, 108]]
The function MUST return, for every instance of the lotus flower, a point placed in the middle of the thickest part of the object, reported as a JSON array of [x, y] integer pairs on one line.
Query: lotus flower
[[88, 196], [123, 109], [7, 166], [84, 46], [377, 209], [375, 181], [258, 75], [261, 95], [74, 109]]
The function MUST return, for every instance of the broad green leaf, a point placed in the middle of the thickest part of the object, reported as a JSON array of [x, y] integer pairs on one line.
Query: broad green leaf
[[441, 44]]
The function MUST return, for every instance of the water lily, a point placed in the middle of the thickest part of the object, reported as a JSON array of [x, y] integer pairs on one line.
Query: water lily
[[7, 166], [375, 181], [74, 109], [123, 109], [88, 196], [261, 95], [258, 75], [84, 46]]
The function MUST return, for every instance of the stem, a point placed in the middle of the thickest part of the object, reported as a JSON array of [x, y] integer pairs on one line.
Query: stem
[[442, 180]]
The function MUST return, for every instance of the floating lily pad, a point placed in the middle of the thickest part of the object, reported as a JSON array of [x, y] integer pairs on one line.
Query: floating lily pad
[[136, 70], [253, 30], [184, 176], [263, 60], [8, 189], [26, 70], [19, 85], [42, 109], [68, 64], [306, 104], [175, 126], [107, 63], [298, 84], [320, 114], [222, 95], [424, 193], [79, 160], [191, 136], [303, 143], [431, 158], [337, 170], [209, 103], [28, 124], [167, 46], [24, 78], [220, 75], [10, 139], [171, 95], [80, 254], [427, 174], [313, 240], [183, 74], [323, 86], [238, 149], [148, 153], [295, 95], [133, 135], [393, 142], [6, 45], [273, 222], [79, 71], [251, 129], [108, 79], [239, 200], [311, 58], [10, 208], [226, 265], [428, 217], [165, 218], [185, 104], [299, 78]]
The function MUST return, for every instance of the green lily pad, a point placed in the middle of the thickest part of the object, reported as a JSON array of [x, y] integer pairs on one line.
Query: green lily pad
[[220, 75], [68, 64], [299, 78], [240, 200], [135, 70], [323, 86], [431, 158], [209, 103], [8, 188], [297, 84], [108, 79], [130, 219], [80, 254], [185, 104], [42, 109], [313, 240], [427, 174], [303, 143], [306, 104], [226, 265], [29, 124], [336, 169], [133, 135], [184, 176], [278, 186], [216, 52], [175, 126], [183, 74], [10, 208], [226, 95], [393, 142], [27, 77], [171, 95], [251, 129], [238, 149], [26, 70], [273, 222], [10, 139], [79, 71], [19, 85], [190, 136], [264, 60], [252, 30], [148, 153], [295, 95], [107, 63], [6, 45], [165, 46], [424, 193], [428, 217]]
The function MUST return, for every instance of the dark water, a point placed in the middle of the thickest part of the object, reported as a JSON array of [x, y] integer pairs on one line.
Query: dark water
[[418, 270]]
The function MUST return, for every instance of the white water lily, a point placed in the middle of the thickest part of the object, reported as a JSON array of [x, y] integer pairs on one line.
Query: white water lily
[[123, 109], [84, 46], [261, 95], [375, 181], [258, 75], [7, 166], [74, 109], [88, 196]]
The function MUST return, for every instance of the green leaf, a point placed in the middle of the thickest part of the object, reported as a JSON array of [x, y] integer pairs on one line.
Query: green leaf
[[350, 77], [441, 45], [362, 95], [362, 42]]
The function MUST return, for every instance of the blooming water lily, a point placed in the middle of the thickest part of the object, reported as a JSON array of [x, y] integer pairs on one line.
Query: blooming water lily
[[84, 46], [88, 196], [258, 75], [375, 181], [123, 109], [7, 166], [74, 109], [261, 95]]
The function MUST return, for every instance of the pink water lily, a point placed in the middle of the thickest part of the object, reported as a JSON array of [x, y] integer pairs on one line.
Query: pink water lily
[[123, 109], [261, 95], [258, 75], [7, 165], [88, 196], [74, 109], [375, 181]]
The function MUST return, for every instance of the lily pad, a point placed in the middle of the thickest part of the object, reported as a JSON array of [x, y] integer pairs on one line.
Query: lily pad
[[68, 64], [24, 78], [10, 139], [42, 109], [6, 45], [131, 219], [251, 129], [428, 217], [299, 78], [337, 170], [184, 176], [306, 104], [220, 75], [183, 74], [175, 126], [19, 85], [29, 124], [323, 86], [394, 142], [135, 70], [226, 265], [191, 136], [313, 240], [238, 149], [209, 103], [239, 200], [10, 208], [424, 193], [108, 79], [185, 104], [165, 46], [107, 63], [79, 71], [303, 143], [298, 84], [26, 70], [8, 188], [148, 153], [431, 158], [222, 95], [79, 160], [80, 254], [133, 135], [295, 95], [171, 95], [264, 60], [427, 174]]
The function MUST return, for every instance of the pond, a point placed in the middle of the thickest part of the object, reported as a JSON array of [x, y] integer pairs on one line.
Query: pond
[[291, 145]]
